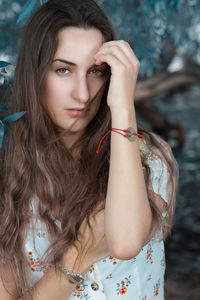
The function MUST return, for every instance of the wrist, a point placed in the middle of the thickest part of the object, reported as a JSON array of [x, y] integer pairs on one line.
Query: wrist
[[123, 118], [118, 109], [71, 277], [72, 261]]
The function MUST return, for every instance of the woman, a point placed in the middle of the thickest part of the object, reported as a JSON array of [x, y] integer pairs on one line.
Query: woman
[[81, 219]]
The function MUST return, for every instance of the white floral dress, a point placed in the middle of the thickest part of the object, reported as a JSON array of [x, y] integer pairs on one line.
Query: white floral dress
[[140, 278]]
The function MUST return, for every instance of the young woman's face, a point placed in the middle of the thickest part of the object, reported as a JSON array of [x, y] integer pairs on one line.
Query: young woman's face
[[73, 79]]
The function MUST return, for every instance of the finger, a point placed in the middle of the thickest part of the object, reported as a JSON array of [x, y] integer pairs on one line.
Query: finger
[[117, 42], [124, 46], [111, 60], [117, 52]]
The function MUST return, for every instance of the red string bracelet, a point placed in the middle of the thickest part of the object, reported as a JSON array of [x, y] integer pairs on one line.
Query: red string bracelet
[[130, 134]]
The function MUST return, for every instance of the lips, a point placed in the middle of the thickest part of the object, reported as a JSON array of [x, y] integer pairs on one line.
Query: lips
[[76, 108], [77, 112]]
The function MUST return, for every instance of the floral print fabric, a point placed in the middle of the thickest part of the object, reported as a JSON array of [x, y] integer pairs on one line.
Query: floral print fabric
[[140, 278]]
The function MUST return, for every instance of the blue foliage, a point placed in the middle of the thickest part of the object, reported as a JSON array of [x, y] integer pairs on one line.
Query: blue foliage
[[3, 107], [26, 10], [3, 73], [158, 29], [4, 122], [4, 64], [14, 117]]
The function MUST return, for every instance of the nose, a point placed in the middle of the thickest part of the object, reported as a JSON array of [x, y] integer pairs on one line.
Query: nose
[[81, 90]]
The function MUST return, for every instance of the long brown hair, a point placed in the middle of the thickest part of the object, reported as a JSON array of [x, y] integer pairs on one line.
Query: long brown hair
[[35, 164]]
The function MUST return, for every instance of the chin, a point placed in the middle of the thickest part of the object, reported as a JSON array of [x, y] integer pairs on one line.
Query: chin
[[76, 128]]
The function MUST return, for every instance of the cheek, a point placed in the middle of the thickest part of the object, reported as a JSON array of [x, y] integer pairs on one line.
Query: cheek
[[95, 84], [96, 104], [53, 88], [54, 93], [56, 85]]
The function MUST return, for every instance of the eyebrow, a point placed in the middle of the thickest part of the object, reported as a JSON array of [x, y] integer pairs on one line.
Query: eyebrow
[[72, 63], [64, 61]]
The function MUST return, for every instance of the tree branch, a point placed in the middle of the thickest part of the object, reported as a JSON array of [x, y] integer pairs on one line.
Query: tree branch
[[166, 81]]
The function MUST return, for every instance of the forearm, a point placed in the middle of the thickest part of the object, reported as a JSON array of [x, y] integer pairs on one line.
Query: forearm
[[127, 212], [54, 285], [51, 286]]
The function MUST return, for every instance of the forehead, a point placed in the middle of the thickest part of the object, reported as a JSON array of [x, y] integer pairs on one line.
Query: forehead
[[78, 44]]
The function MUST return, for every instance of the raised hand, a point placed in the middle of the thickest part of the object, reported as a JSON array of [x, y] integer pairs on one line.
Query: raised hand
[[124, 71]]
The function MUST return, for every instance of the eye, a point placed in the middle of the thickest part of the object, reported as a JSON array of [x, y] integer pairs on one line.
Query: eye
[[62, 71], [98, 73]]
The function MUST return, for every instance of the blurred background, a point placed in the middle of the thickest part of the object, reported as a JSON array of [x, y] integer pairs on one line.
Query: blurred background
[[165, 36]]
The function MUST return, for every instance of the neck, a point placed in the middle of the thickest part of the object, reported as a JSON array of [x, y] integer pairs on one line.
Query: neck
[[69, 138]]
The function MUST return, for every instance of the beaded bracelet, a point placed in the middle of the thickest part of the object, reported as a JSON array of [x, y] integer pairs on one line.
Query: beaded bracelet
[[130, 134], [74, 278]]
